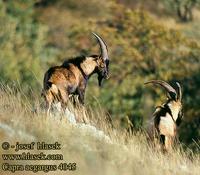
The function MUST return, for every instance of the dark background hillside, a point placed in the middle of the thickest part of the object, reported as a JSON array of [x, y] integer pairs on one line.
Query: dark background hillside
[[145, 41]]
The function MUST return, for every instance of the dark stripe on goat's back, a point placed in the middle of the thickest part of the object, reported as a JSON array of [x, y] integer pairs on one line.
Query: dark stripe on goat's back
[[76, 61]]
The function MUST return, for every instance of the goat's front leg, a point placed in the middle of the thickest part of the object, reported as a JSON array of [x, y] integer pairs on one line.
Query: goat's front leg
[[48, 102], [168, 143], [64, 99], [81, 92], [81, 96]]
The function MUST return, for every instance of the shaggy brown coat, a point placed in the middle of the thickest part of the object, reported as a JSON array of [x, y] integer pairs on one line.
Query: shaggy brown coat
[[72, 76]]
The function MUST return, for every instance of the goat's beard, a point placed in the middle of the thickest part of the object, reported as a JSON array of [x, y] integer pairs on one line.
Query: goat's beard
[[100, 79]]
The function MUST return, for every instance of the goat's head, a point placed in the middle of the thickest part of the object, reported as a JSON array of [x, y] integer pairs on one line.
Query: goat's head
[[102, 67], [174, 101]]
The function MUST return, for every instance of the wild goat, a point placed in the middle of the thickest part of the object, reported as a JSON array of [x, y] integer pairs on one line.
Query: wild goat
[[72, 76], [167, 117]]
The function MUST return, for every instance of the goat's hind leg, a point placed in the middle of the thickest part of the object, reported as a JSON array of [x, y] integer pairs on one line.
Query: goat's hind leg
[[49, 101], [163, 140], [64, 99]]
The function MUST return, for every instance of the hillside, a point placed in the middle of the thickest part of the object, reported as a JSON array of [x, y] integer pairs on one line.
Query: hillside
[[140, 48], [38, 35], [121, 154]]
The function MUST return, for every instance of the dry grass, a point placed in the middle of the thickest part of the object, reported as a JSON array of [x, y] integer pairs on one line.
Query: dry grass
[[124, 155]]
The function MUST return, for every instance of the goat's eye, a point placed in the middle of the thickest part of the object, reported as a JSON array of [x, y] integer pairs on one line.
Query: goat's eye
[[102, 66]]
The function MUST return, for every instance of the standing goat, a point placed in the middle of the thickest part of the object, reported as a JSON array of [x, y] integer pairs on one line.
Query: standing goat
[[72, 76], [167, 117]]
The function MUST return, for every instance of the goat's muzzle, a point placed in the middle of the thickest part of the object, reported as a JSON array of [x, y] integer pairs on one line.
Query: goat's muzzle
[[102, 76]]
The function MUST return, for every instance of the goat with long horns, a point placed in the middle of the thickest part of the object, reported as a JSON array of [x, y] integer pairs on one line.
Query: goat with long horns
[[72, 76], [167, 117]]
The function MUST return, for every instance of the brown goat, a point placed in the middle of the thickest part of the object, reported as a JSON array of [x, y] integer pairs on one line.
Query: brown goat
[[166, 117], [72, 76]]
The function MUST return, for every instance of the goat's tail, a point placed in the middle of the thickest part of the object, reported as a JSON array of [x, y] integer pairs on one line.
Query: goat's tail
[[50, 92]]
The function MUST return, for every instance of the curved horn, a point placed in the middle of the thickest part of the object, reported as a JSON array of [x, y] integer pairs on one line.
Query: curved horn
[[103, 47], [179, 91], [172, 92]]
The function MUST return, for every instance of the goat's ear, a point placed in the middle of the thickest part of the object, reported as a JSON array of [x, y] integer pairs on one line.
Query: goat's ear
[[168, 96], [173, 96], [100, 60]]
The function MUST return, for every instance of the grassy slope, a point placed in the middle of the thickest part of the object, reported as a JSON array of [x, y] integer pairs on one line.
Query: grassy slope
[[125, 155], [17, 123]]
